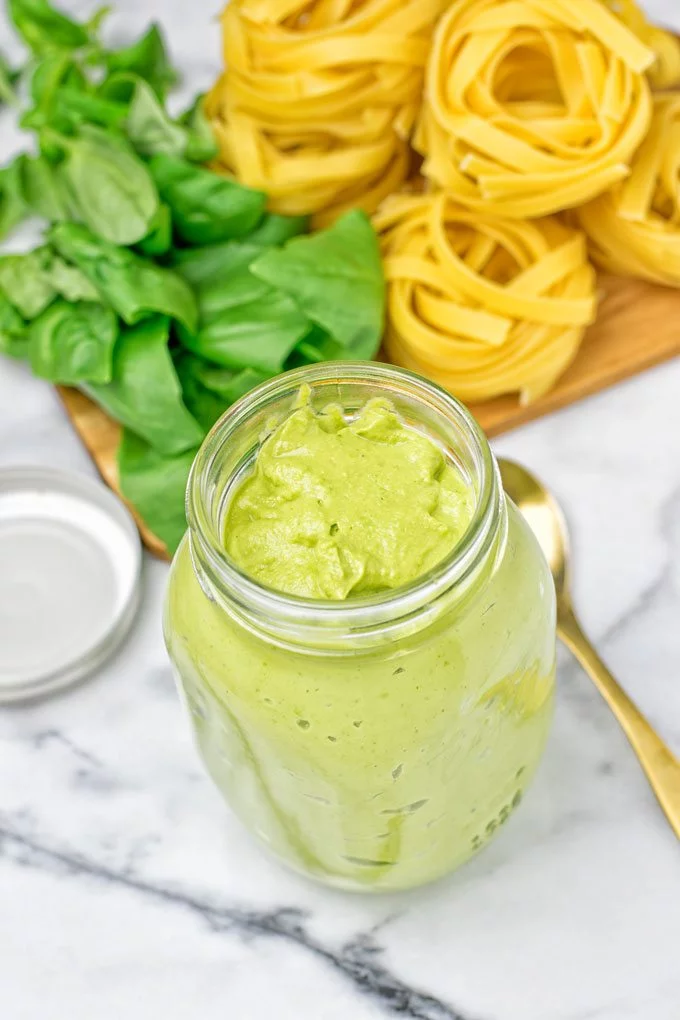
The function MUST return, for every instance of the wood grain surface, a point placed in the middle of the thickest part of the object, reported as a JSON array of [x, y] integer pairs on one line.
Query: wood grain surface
[[638, 326]]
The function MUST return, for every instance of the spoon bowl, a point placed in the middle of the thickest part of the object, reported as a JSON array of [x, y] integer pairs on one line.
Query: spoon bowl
[[544, 516]]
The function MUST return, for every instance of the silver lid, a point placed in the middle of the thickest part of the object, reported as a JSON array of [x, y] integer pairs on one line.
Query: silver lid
[[70, 563]]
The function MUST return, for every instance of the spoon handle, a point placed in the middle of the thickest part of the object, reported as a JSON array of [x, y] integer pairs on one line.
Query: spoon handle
[[661, 766]]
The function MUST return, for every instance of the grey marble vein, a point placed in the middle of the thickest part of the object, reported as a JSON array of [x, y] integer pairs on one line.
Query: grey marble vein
[[358, 960]]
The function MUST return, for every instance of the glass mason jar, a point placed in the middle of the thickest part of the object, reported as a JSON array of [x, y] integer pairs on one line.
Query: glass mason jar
[[379, 742]]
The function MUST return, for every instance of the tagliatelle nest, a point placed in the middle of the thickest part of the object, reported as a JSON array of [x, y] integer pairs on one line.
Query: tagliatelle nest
[[665, 72], [634, 229], [318, 100], [484, 306], [532, 106]]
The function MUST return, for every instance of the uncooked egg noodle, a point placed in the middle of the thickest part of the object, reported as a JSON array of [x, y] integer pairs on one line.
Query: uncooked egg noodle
[[485, 306], [532, 106], [665, 72], [634, 229], [318, 100]]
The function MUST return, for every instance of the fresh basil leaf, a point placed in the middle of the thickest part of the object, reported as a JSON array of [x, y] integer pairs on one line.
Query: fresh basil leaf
[[12, 330], [214, 263], [50, 147], [78, 106], [43, 189], [316, 347], [149, 128], [144, 393], [36, 278], [54, 71], [25, 279], [73, 343], [159, 239], [95, 22], [8, 77], [133, 286], [275, 230], [68, 281], [335, 276], [238, 289], [155, 485], [221, 277], [148, 58], [115, 194], [201, 144], [205, 406], [206, 208], [256, 334], [12, 205], [51, 72], [231, 386], [119, 87], [43, 28], [208, 391]]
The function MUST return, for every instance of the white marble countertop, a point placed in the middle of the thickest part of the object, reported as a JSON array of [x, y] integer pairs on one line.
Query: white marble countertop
[[128, 891]]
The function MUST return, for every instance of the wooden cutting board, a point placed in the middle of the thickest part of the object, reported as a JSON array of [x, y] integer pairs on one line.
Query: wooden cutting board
[[638, 326]]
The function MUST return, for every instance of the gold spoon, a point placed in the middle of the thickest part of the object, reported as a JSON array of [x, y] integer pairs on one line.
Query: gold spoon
[[545, 519]]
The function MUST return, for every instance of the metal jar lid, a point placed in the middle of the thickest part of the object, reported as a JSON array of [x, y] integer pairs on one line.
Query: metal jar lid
[[70, 564]]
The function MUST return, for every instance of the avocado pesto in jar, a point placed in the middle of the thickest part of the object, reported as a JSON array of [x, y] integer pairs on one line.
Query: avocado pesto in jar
[[339, 507], [362, 625]]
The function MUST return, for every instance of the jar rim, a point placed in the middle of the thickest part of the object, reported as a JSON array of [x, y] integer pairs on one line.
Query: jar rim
[[366, 611]]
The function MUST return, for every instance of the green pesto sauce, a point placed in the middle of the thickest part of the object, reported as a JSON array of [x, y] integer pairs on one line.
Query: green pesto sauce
[[339, 507]]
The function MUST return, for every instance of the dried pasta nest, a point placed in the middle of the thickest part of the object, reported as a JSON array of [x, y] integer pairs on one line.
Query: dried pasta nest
[[532, 106], [665, 71], [318, 100], [634, 229], [483, 305]]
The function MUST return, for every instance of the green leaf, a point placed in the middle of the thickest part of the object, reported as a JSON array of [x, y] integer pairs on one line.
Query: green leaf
[[8, 78], [149, 128], [148, 58], [12, 205], [208, 391], [275, 230], [244, 323], [54, 71], [221, 277], [315, 347], [95, 22], [335, 276], [114, 191], [144, 393], [240, 288], [201, 143], [43, 28], [132, 285], [206, 208], [256, 334], [214, 263], [43, 190], [35, 279], [159, 239], [13, 339], [231, 386], [73, 343], [68, 281], [205, 406], [77, 106], [156, 486], [24, 277]]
